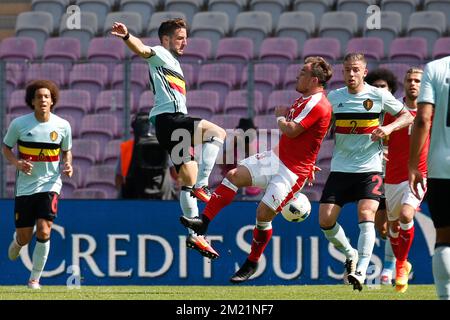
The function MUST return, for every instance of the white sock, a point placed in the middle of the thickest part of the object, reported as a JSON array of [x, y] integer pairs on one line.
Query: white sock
[[441, 271], [40, 254], [188, 204], [389, 256], [366, 242], [336, 236], [210, 150]]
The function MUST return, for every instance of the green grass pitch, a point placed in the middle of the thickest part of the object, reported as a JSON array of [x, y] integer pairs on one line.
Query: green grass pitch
[[305, 292]]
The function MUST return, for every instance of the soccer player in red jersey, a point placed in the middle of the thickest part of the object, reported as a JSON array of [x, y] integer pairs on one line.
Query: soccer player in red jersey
[[282, 171], [400, 201]]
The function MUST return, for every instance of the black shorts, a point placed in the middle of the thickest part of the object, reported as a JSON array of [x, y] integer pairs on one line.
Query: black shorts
[[27, 209], [179, 150], [438, 191], [344, 187]]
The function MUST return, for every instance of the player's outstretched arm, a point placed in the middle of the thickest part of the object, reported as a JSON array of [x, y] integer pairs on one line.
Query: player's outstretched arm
[[404, 119], [135, 44]]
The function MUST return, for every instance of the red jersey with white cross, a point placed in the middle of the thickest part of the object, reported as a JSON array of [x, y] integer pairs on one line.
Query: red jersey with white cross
[[313, 113], [398, 152]]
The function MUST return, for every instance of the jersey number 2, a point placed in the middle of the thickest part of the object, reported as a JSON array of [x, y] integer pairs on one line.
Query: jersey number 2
[[376, 189]]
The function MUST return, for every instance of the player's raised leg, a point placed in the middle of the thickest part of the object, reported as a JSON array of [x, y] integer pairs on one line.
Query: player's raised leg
[[188, 175], [212, 139], [222, 196]]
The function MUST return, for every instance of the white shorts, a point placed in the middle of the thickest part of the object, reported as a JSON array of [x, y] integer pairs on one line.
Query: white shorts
[[398, 195], [270, 173]]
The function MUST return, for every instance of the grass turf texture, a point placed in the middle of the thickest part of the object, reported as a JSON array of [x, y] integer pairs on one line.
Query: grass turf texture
[[323, 292]]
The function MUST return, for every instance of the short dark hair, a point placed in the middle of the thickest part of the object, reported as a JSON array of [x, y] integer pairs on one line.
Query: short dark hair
[[320, 68], [167, 28], [383, 74], [35, 85]]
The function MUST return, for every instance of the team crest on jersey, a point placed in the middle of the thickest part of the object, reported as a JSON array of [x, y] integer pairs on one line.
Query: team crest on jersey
[[368, 104], [53, 135]]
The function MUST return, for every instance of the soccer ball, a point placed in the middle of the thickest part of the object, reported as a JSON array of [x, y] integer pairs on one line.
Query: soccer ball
[[298, 209]]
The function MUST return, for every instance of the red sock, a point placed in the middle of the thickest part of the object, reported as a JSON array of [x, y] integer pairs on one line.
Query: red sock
[[405, 239], [221, 197], [260, 240]]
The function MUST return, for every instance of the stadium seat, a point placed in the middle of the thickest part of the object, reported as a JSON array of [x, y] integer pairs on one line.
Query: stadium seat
[[157, 18], [266, 121], [220, 77], [237, 102], [131, 19], [404, 7], [316, 7], [399, 70], [197, 51], [72, 183], [359, 7], [36, 25], [18, 49], [47, 70], [86, 153], [439, 5], [102, 177], [99, 127], [145, 8], [107, 51], [274, 7], [88, 30], [139, 80], [100, 8], [430, 25], [288, 26], [255, 25], [147, 101], [290, 76], [441, 48], [210, 25], [89, 76], [373, 49], [62, 50], [230, 7], [89, 193], [339, 25], [278, 49], [74, 103], [281, 98], [411, 50], [11, 173], [111, 153], [337, 80], [112, 102], [17, 102], [188, 7], [14, 78], [326, 47], [266, 78], [234, 50], [226, 121], [202, 103], [55, 7], [390, 28]]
